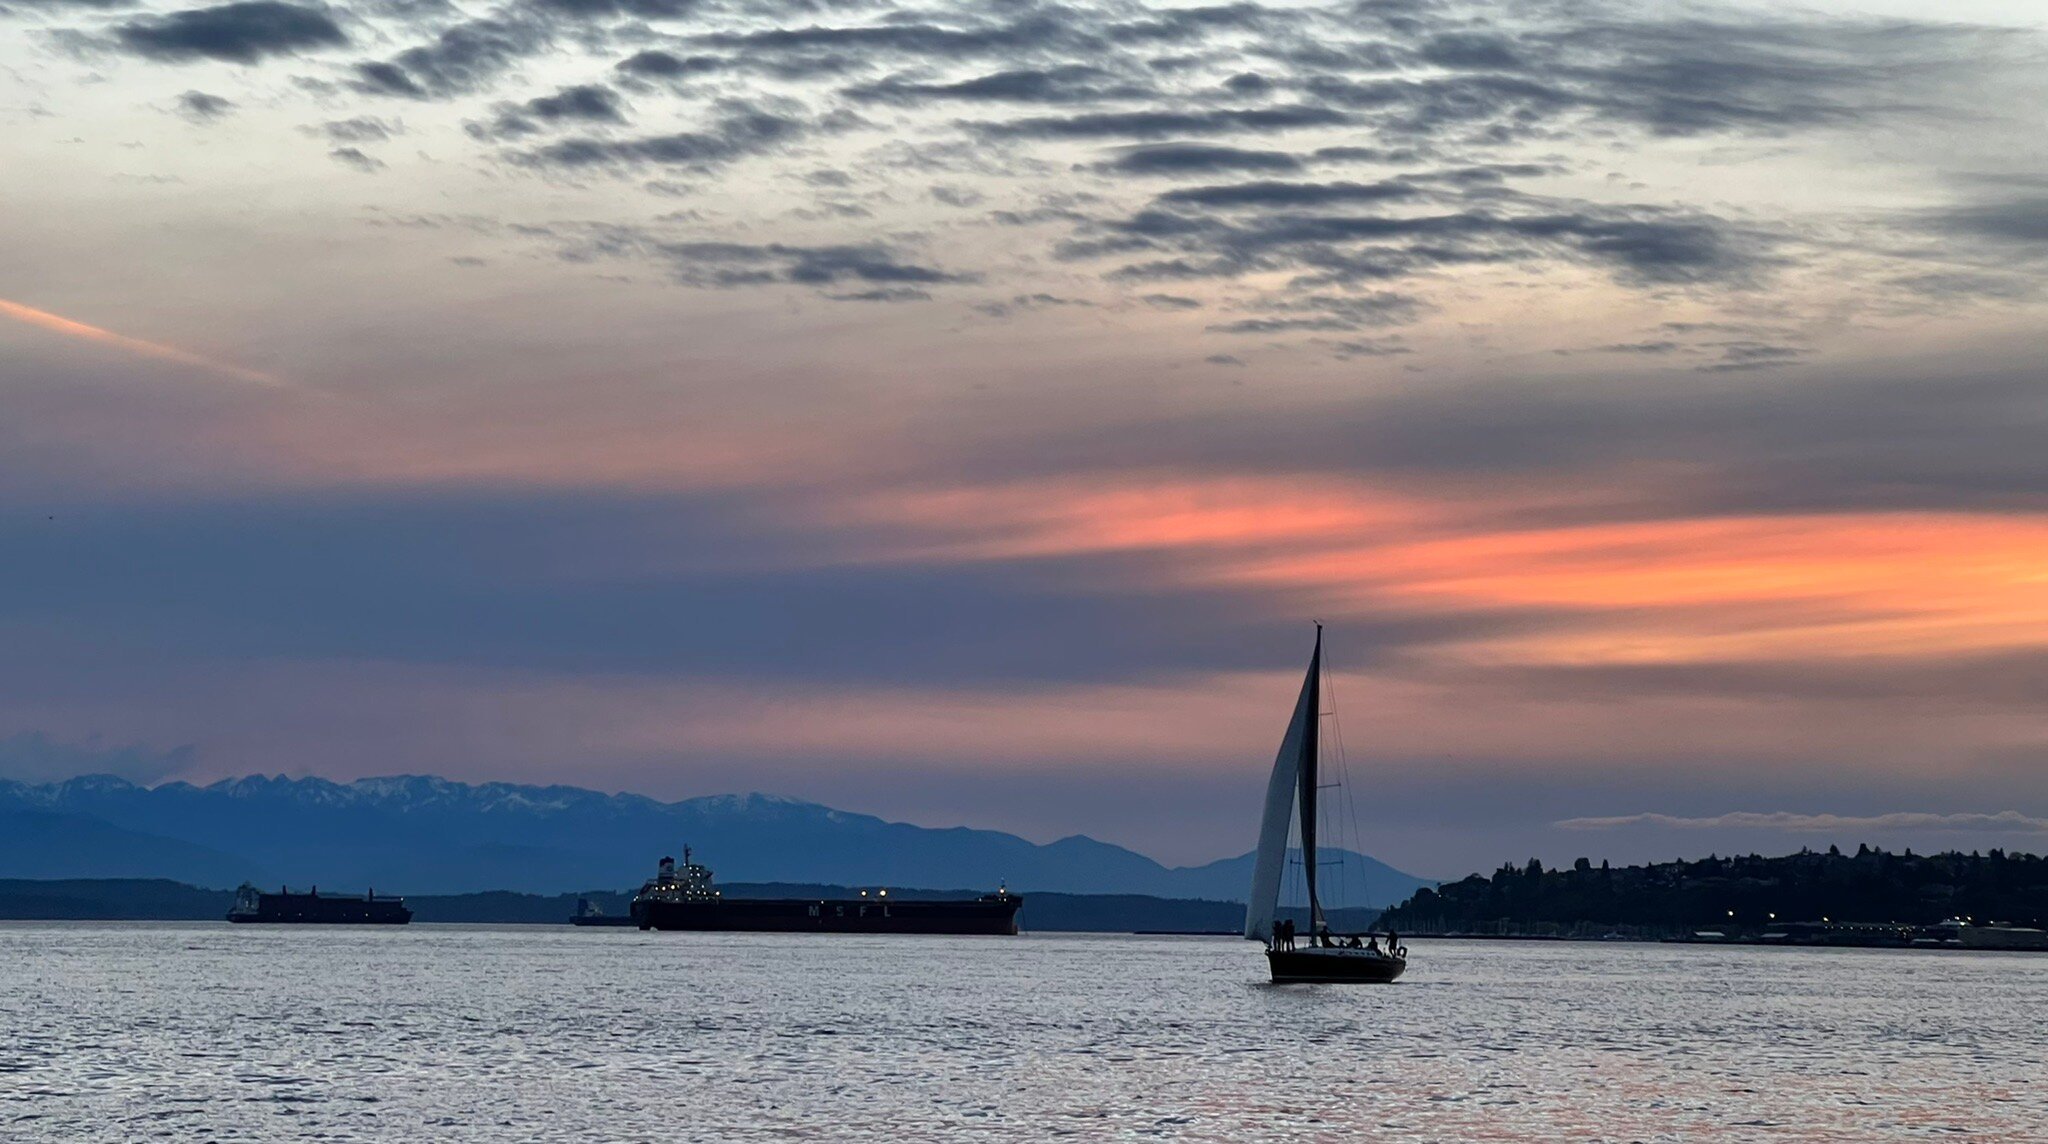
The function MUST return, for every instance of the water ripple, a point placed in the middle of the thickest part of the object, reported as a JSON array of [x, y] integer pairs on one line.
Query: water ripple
[[454, 1033]]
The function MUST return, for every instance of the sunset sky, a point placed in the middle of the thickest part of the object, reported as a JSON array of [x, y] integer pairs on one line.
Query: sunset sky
[[958, 410]]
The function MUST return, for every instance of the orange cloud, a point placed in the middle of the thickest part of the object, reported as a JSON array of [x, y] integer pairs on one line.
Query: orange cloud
[[1742, 587], [1671, 590], [58, 324], [1168, 513]]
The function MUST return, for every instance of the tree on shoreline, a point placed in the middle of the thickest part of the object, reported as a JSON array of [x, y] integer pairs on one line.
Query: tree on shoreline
[[1742, 891]]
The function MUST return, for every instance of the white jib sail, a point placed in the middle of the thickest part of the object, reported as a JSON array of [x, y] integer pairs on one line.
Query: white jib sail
[[1280, 791]]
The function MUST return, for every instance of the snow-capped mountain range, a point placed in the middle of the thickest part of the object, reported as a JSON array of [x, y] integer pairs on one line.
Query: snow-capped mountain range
[[421, 834]]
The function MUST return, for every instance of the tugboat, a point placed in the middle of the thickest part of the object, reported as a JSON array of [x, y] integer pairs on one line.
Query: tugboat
[[686, 900], [253, 905], [1323, 956]]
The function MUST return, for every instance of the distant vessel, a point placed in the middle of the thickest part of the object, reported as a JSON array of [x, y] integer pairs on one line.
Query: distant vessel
[[685, 900], [1950, 934], [1998, 935], [1320, 956], [314, 908], [589, 913]]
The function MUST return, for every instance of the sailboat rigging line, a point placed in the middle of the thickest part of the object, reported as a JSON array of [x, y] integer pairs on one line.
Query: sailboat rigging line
[[1348, 839]]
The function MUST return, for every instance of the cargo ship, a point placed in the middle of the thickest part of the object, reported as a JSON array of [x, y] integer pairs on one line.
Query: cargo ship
[[315, 908], [686, 900]]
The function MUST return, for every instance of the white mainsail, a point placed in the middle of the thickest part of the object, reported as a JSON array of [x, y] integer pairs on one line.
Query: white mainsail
[[1281, 789]]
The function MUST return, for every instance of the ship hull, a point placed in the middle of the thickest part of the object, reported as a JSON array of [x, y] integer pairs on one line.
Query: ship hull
[[312, 909], [344, 917], [1315, 966], [859, 915]]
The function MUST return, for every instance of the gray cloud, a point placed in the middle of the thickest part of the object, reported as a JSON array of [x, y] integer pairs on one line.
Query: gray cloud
[[1182, 25], [1230, 231], [1191, 97], [1482, 109], [398, 578], [387, 79], [1748, 356], [1369, 347], [1159, 124], [1659, 347], [356, 158], [241, 33], [1270, 194], [1072, 83], [738, 131], [880, 271], [1685, 76], [883, 294], [2014, 223], [615, 9], [461, 59], [581, 103], [1039, 301], [590, 102], [2012, 679], [199, 107], [813, 48], [1968, 285], [1472, 50], [726, 263], [1197, 158], [360, 129], [1867, 439], [1327, 312], [656, 64], [1693, 76]]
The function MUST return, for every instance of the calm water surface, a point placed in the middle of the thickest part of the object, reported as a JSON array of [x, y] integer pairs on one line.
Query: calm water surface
[[430, 1033]]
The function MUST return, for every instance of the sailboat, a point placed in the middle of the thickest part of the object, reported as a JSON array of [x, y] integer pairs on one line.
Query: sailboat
[[1319, 955]]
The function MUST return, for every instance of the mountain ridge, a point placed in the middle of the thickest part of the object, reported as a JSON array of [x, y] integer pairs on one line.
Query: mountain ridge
[[427, 834]]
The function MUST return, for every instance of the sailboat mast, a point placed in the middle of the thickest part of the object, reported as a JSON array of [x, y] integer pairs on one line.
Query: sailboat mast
[[1311, 741]]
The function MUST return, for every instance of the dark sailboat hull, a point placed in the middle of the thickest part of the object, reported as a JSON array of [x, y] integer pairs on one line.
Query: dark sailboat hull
[[991, 915], [1333, 966]]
